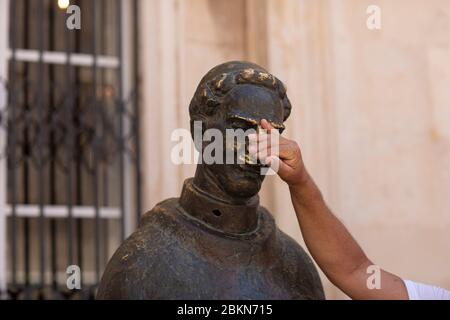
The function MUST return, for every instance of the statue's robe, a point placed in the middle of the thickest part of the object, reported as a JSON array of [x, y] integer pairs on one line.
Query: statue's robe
[[173, 255]]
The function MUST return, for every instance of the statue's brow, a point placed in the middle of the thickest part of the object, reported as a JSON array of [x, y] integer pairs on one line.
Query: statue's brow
[[249, 121], [277, 126], [254, 122]]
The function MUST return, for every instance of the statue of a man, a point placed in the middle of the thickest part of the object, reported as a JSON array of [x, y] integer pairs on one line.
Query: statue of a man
[[215, 241]]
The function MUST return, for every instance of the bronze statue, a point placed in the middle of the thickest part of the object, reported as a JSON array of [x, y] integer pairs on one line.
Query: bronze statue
[[216, 241]]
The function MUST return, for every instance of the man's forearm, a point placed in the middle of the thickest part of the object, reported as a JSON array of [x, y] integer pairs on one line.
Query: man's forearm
[[330, 244], [335, 250]]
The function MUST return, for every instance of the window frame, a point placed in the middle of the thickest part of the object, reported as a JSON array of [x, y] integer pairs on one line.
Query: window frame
[[75, 59]]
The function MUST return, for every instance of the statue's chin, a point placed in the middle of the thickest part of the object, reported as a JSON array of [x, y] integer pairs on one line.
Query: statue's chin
[[243, 188], [234, 181]]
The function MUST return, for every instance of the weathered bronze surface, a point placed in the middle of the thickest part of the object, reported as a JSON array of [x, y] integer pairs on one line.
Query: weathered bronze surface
[[216, 241]]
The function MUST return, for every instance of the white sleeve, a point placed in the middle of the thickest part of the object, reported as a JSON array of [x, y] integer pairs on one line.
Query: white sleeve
[[419, 291]]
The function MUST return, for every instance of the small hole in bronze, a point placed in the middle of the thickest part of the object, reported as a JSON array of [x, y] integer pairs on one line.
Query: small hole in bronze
[[217, 213]]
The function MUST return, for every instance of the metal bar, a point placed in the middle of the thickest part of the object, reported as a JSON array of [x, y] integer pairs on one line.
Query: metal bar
[[26, 231], [59, 211], [120, 110], [27, 154], [12, 141], [4, 20], [105, 226], [126, 83], [80, 257], [57, 57], [78, 160], [136, 108], [69, 142], [53, 254], [52, 146], [40, 144], [105, 166], [95, 145]]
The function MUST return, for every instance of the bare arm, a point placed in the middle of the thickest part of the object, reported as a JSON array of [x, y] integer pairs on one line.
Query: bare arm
[[330, 244]]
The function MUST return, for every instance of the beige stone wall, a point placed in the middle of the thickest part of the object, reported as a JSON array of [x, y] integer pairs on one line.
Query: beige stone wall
[[393, 148], [371, 110]]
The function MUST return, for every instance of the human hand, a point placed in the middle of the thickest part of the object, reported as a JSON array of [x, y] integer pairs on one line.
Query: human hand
[[280, 153]]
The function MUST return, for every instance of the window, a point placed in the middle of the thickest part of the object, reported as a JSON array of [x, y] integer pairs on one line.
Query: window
[[69, 142]]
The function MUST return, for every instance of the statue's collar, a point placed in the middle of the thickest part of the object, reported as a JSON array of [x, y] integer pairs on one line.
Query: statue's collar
[[217, 214]]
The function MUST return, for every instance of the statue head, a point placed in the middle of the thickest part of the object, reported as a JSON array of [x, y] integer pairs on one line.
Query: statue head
[[237, 95]]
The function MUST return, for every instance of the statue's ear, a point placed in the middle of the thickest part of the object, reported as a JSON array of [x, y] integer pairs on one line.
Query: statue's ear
[[207, 100], [198, 129]]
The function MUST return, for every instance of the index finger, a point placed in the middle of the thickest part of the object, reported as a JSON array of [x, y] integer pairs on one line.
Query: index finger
[[266, 125]]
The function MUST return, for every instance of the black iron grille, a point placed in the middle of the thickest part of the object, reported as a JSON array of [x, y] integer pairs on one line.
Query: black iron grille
[[72, 151]]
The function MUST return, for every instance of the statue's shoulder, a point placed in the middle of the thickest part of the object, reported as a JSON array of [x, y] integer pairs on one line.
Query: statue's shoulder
[[148, 246], [155, 226], [296, 259], [160, 211], [291, 248]]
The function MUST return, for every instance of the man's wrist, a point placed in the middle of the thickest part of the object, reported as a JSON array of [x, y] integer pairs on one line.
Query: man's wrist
[[302, 179], [305, 189]]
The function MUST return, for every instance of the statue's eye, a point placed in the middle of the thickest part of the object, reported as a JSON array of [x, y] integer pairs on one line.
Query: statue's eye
[[237, 126], [241, 124]]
